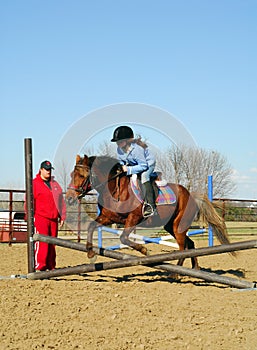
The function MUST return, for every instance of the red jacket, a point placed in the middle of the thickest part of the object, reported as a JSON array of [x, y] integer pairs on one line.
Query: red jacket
[[48, 202]]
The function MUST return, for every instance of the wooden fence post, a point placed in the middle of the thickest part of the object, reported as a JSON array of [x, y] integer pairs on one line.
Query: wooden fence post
[[29, 203]]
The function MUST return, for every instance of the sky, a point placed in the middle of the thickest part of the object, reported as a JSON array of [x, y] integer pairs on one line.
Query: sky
[[62, 60]]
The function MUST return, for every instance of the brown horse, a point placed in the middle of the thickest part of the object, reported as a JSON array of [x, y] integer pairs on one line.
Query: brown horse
[[120, 205]]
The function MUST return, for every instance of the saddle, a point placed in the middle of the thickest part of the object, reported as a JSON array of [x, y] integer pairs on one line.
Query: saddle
[[163, 193]]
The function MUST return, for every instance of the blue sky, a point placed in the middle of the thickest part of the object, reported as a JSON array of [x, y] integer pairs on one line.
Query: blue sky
[[195, 59]]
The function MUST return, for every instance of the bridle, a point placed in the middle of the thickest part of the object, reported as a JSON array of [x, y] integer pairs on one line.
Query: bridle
[[85, 187], [82, 189]]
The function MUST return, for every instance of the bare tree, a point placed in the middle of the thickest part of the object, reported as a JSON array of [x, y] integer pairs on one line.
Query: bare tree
[[191, 167], [63, 174], [107, 148], [89, 150], [187, 166]]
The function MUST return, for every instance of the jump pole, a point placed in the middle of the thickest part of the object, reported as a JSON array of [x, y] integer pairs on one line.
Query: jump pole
[[29, 203], [175, 255], [139, 238], [210, 196], [126, 260], [163, 240], [207, 276]]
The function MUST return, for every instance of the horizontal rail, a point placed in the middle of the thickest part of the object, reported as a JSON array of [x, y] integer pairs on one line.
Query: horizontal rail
[[125, 260], [223, 248]]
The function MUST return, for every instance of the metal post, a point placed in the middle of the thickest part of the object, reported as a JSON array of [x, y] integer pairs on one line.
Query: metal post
[[210, 196], [29, 203], [100, 237], [10, 217], [99, 230]]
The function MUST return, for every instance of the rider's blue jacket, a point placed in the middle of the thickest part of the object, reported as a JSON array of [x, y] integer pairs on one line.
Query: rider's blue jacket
[[137, 159]]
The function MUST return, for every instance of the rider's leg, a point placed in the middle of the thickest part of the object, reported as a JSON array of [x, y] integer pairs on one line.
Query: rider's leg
[[149, 205]]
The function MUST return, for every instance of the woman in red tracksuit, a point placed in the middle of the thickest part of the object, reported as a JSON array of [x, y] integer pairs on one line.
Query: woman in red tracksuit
[[49, 209]]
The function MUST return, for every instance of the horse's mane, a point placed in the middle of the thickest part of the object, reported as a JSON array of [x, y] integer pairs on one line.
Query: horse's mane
[[106, 163]]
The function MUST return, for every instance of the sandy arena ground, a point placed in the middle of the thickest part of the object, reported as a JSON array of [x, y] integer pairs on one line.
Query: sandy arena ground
[[129, 308]]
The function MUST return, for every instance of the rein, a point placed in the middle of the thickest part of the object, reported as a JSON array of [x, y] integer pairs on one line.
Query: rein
[[83, 188], [106, 181]]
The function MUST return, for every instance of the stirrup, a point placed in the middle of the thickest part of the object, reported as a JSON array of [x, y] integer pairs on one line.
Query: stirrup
[[147, 210]]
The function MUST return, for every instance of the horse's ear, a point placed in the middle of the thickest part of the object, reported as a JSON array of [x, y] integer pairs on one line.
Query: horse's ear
[[77, 158], [85, 160], [91, 161]]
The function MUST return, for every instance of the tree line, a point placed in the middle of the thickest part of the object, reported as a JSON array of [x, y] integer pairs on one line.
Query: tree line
[[184, 165]]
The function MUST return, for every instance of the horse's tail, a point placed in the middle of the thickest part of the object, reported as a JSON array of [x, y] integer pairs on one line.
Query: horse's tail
[[212, 217]]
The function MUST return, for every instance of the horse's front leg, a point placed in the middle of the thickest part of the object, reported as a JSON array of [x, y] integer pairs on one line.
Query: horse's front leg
[[89, 244], [99, 221], [124, 238]]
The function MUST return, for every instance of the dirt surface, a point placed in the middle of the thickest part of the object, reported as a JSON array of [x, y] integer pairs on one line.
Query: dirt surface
[[129, 308]]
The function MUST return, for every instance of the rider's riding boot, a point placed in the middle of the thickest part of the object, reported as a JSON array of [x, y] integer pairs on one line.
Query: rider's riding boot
[[149, 204]]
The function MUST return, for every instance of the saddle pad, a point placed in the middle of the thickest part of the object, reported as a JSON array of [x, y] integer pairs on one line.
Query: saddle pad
[[135, 188], [165, 193]]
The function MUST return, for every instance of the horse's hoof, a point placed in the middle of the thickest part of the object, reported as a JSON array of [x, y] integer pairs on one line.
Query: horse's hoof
[[90, 254], [174, 276], [93, 260], [144, 251]]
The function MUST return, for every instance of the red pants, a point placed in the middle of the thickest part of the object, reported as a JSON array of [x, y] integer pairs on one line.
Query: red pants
[[45, 256]]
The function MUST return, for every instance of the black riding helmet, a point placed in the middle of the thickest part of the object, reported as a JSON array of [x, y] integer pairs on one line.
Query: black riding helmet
[[121, 133]]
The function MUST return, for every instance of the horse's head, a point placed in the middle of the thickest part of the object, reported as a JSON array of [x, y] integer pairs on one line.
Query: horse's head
[[92, 172], [80, 180]]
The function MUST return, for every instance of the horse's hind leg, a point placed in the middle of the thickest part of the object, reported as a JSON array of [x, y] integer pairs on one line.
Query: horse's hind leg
[[191, 245], [124, 238], [180, 238], [178, 229], [181, 224], [184, 243]]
